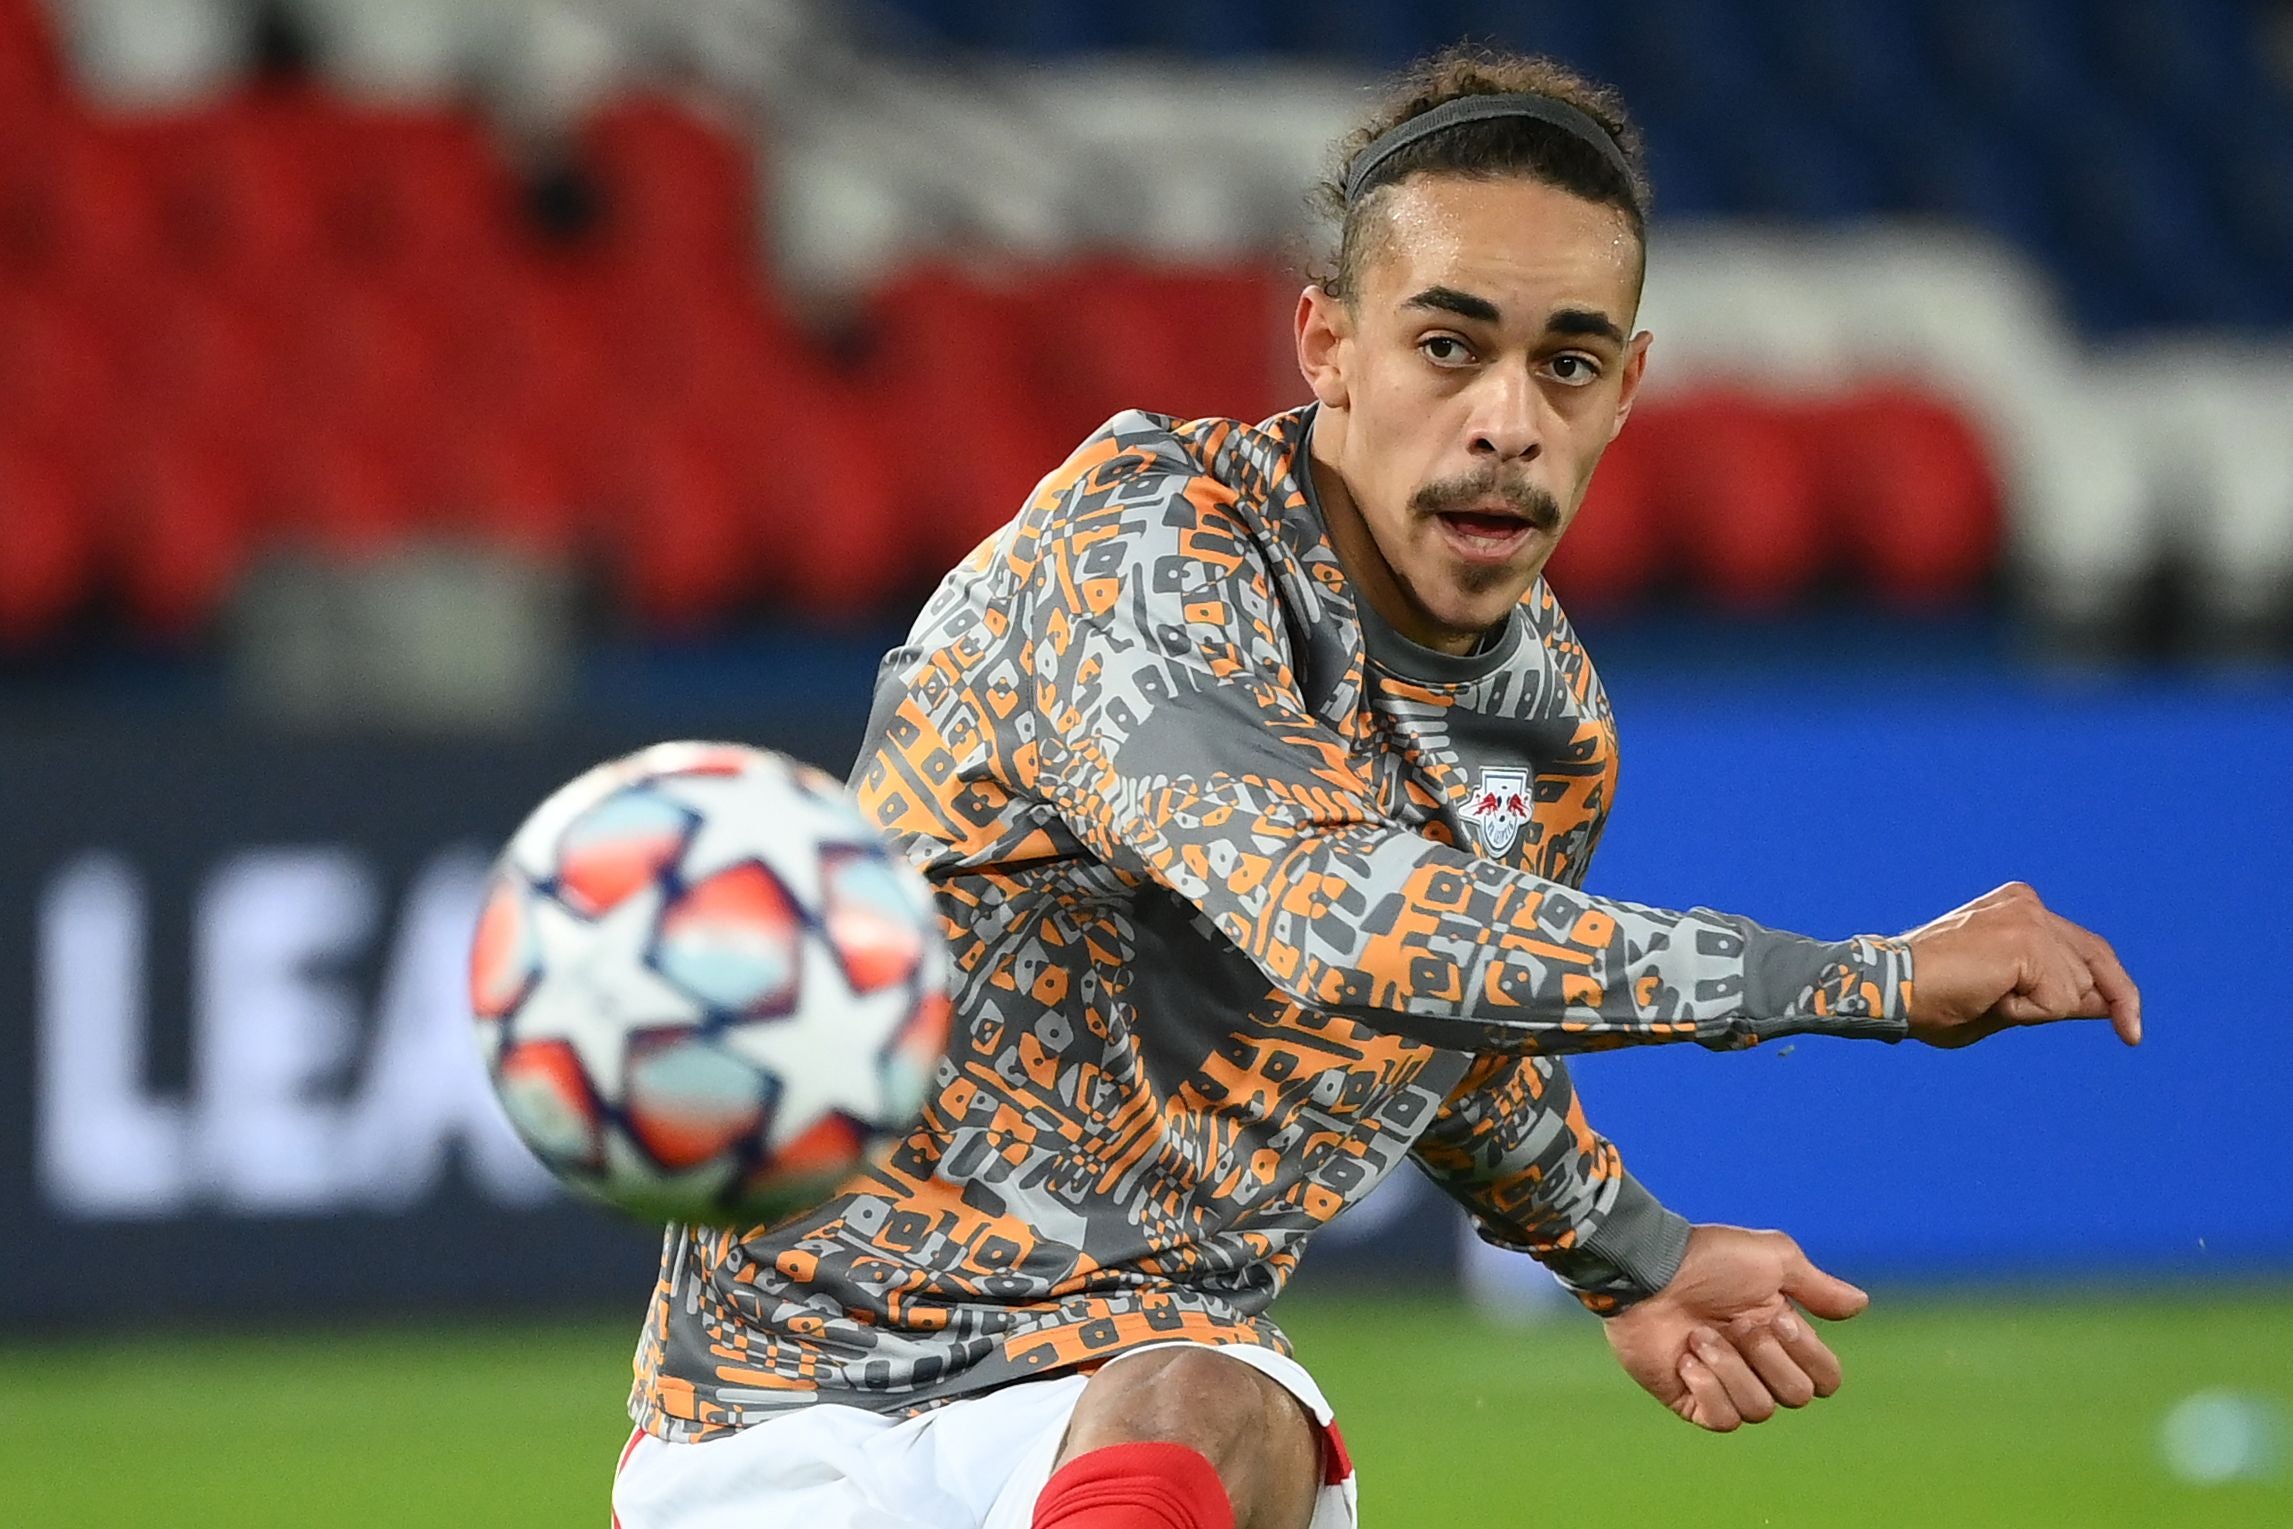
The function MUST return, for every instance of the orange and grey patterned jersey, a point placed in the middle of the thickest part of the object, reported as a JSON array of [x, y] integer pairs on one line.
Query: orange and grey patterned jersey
[[1250, 898]]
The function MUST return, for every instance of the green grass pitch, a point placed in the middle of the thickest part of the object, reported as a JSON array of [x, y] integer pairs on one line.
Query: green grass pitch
[[1967, 1412]]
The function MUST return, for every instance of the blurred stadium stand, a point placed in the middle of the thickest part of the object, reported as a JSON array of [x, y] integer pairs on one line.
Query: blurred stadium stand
[[749, 309]]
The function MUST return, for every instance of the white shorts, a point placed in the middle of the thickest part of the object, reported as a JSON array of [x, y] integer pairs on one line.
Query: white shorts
[[972, 1464]]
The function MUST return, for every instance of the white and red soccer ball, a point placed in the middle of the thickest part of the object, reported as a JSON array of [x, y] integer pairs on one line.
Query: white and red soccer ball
[[704, 987]]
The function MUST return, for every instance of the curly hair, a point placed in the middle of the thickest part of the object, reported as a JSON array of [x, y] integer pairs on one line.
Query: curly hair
[[1482, 150]]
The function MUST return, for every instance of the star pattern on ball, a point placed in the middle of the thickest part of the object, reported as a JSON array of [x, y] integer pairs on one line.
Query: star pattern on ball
[[593, 992]]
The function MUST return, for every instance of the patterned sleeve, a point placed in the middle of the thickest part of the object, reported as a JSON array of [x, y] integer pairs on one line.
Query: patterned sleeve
[[1512, 1146], [1170, 736]]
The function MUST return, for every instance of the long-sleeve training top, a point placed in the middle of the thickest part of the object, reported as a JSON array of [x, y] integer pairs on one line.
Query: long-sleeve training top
[[1249, 899]]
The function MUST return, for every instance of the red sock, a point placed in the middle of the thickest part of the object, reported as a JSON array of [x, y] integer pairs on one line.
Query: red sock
[[1135, 1486]]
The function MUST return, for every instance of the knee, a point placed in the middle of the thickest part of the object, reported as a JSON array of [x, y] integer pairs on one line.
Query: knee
[[1258, 1436], [1199, 1397]]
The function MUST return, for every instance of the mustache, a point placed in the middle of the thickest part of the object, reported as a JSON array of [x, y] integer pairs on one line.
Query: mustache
[[1459, 495]]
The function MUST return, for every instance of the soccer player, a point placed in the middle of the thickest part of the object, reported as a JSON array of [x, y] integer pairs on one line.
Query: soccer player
[[1256, 771]]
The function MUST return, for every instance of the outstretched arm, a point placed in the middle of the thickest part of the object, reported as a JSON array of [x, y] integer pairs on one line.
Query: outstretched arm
[[1172, 740]]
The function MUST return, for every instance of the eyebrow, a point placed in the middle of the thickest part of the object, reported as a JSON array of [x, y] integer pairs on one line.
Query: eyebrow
[[1584, 321], [1464, 304], [1564, 321]]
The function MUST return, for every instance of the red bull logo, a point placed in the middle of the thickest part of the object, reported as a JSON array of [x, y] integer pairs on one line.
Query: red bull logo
[[1499, 809]]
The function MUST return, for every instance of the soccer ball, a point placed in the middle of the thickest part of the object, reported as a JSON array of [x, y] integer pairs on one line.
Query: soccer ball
[[704, 988]]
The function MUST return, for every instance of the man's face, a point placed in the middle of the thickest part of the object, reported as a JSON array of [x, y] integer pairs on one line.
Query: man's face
[[1485, 362]]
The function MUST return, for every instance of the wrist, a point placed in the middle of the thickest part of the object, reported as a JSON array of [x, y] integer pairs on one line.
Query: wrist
[[1859, 988], [1632, 1253]]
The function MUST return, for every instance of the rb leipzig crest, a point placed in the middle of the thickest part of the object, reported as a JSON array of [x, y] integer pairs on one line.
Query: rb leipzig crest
[[1499, 809]]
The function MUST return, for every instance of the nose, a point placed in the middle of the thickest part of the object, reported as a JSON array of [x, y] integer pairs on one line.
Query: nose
[[1506, 422]]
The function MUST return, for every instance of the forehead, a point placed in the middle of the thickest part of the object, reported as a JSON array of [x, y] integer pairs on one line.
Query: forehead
[[1507, 238]]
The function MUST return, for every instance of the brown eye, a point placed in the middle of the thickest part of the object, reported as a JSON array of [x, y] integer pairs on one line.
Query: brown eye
[[1444, 350], [1573, 370]]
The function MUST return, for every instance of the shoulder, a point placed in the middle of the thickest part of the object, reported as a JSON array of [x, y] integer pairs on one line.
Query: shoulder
[[1167, 503], [1564, 652], [1137, 455], [1153, 533]]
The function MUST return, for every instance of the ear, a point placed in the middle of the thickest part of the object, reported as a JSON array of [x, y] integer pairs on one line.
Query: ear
[[1635, 367], [1324, 328]]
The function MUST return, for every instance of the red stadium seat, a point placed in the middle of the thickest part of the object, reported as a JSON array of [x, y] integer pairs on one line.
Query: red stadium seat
[[507, 490], [683, 348], [181, 535], [416, 194], [1613, 551], [1732, 483], [27, 223], [524, 352], [1096, 348], [674, 535], [59, 372], [197, 366], [35, 125], [1189, 341], [679, 188], [342, 497], [239, 190], [48, 564], [368, 359], [834, 532], [952, 364], [31, 74], [104, 214], [1914, 491]]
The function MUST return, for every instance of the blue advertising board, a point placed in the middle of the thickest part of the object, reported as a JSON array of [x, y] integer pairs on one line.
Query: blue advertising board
[[2156, 816], [235, 1079]]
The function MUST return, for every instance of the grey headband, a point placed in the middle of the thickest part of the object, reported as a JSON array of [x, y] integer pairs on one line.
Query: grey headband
[[1483, 108]]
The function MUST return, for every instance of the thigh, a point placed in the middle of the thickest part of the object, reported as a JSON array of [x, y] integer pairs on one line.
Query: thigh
[[844, 1468], [1336, 1506], [808, 1468]]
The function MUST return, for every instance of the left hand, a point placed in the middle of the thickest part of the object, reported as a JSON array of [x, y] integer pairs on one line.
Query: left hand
[[1723, 1343]]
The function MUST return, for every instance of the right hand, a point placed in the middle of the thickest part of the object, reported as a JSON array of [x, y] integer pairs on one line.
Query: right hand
[[2005, 959], [1723, 1343]]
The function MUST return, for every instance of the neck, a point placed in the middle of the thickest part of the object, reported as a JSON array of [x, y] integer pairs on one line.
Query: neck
[[1356, 545]]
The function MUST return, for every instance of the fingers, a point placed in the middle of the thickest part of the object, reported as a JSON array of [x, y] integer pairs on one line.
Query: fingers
[[2073, 974], [2050, 975], [1827, 1295], [1778, 1370], [2066, 971], [1810, 1353], [1760, 1363], [2018, 1009], [1706, 1404], [1731, 1347], [2059, 983], [2112, 983], [2006, 959], [1746, 1392]]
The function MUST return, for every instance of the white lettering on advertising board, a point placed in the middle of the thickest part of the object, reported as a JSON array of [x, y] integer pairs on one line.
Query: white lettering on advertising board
[[303, 1098]]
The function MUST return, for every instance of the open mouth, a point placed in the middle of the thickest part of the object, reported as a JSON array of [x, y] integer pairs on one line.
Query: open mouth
[[1483, 536], [1473, 523]]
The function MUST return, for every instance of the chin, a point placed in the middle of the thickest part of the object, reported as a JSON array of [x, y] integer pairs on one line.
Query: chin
[[1471, 617], [1476, 603], [1463, 600]]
